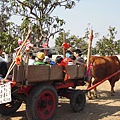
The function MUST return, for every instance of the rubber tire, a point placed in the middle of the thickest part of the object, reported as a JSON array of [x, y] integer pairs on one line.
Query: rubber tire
[[10, 108], [35, 96], [77, 101]]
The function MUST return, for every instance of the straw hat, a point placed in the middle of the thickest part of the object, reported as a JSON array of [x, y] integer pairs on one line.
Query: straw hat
[[40, 55]]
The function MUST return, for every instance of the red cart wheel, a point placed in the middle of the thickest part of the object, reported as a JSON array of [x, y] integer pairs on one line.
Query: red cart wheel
[[77, 101], [42, 103]]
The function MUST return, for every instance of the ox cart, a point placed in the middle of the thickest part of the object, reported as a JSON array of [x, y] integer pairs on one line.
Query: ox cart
[[39, 87]]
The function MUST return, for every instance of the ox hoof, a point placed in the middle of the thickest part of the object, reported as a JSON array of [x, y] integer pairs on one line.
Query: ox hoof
[[89, 97], [112, 95]]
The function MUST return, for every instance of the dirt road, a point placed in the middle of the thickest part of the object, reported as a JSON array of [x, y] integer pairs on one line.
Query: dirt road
[[105, 107]]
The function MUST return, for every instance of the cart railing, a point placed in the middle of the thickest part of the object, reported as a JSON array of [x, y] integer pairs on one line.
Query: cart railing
[[47, 73]]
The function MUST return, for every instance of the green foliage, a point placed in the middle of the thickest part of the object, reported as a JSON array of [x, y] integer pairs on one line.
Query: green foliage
[[8, 42], [8, 30], [25, 24], [104, 46], [39, 14], [108, 45], [75, 42], [36, 14]]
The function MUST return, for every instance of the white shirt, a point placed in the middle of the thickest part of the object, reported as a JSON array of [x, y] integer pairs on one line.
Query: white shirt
[[3, 59], [31, 61], [70, 63]]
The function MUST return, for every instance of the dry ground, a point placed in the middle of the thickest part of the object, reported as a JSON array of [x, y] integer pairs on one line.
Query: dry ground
[[105, 107]]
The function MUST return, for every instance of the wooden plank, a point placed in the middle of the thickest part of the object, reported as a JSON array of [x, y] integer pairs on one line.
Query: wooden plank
[[56, 73], [18, 74], [72, 71], [81, 71], [38, 73]]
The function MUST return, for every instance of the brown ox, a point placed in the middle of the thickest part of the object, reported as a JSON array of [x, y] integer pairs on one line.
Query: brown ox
[[103, 67]]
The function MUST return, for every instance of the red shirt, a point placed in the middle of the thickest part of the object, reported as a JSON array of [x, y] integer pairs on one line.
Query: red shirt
[[64, 62]]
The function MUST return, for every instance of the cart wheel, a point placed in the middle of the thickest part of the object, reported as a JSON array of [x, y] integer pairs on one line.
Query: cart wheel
[[42, 103], [10, 108], [77, 101]]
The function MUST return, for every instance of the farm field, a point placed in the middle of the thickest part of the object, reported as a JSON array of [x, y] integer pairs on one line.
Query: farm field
[[105, 107]]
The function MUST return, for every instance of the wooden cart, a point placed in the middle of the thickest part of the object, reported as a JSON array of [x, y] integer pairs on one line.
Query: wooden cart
[[40, 86]]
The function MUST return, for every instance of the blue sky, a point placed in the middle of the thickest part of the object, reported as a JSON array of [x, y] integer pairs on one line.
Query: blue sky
[[99, 13]]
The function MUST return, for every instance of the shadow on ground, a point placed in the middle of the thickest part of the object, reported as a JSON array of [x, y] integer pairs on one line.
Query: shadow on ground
[[96, 109]]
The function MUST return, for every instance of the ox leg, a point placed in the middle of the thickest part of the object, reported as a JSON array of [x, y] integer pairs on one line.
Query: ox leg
[[89, 92], [95, 90], [112, 91], [112, 88]]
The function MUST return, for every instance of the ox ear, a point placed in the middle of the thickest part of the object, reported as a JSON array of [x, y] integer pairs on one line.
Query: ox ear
[[92, 58]]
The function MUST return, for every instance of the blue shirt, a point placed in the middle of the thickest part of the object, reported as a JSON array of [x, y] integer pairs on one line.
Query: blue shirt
[[67, 55]]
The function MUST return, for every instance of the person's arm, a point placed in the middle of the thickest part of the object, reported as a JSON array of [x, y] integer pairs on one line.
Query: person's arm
[[79, 61], [6, 57], [2, 59]]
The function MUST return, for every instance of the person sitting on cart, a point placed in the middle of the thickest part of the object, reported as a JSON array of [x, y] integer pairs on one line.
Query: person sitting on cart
[[60, 61], [72, 61], [68, 52], [31, 59], [40, 56], [49, 60], [3, 64], [79, 59]]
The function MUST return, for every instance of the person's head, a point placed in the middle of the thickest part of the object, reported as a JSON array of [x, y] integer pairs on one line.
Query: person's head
[[49, 55], [47, 60], [31, 55], [1, 49], [77, 52], [58, 59], [40, 56], [73, 58]]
